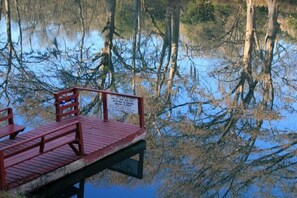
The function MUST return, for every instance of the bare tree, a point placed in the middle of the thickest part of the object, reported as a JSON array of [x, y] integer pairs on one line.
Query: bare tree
[[174, 46], [83, 30], [1, 5], [166, 47], [4, 85], [106, 66], [269, 44], [136, 32]]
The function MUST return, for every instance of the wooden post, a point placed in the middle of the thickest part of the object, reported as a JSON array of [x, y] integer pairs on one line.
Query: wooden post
[[141, 112], [140, 164], [2, 172], [105, 109], [57, 104], [10, 113], [75, 91], [79, 135], [81, 187], [42, 143]]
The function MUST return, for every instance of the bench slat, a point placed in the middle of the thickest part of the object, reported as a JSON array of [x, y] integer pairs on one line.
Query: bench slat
[[67, 98], [68, 113], [69, 105], [7, 117]]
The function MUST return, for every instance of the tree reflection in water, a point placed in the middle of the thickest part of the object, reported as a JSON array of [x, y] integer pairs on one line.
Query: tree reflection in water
[[218, 81]]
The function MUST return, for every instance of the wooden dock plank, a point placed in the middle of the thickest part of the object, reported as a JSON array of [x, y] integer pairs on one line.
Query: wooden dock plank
[[40, 165]]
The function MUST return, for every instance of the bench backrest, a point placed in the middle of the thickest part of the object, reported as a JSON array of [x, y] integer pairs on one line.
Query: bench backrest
[[66, 103], [6, 115]]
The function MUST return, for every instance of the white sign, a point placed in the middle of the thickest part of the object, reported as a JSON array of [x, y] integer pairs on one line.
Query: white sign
[[122, 103]]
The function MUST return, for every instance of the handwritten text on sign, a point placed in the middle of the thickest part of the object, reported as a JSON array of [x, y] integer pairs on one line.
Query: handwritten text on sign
[[122, 103]]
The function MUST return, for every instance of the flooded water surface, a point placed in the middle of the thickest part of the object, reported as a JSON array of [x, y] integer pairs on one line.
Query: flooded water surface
[[218, 79]]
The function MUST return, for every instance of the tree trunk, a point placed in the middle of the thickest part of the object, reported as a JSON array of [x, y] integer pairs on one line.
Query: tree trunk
[[174, 46], [108, 33], [1, 5], [270, 37], [21, 33], [270, 34], [4, 85], [82, 43], [246, 74], [166, 46], [249, 39], [247, 54], [9, 36], [136, 25]]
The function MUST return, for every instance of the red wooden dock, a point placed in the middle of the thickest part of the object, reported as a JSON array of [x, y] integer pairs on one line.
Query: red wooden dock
[[73, 141]]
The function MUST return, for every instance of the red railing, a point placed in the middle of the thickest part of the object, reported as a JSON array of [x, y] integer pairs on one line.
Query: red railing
[[68, 99], [40, 142], [105, 105]]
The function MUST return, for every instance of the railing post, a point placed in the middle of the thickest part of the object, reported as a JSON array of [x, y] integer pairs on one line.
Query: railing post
[[58, 111], [141, 112], [10, 112], [2, 172], [79, 135], [75, 91], [42, 143], [105, 109]]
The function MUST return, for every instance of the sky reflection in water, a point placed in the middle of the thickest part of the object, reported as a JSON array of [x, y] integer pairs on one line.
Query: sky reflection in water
[[212, 131]]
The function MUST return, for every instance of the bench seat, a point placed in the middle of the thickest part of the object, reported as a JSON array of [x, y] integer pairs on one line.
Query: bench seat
[[11, 129]]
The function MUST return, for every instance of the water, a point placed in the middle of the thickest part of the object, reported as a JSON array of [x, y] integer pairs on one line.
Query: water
[[209, 134]]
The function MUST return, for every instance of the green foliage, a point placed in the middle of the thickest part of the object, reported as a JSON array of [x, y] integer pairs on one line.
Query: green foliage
[[263, 10], [158, 10], [224, 10], [198, 11], [125, 16], [292, 21], [4, 194], [125, 19], [290, 26]]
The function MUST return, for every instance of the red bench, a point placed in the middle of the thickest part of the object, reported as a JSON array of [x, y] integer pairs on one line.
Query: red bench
[[25, 150], [11, 129]]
